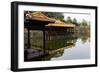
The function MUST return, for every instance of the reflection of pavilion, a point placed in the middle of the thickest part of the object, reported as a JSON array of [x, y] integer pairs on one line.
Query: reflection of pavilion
[[55, 35]]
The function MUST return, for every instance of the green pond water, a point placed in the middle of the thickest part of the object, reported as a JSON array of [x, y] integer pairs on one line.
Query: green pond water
[[57, 45]]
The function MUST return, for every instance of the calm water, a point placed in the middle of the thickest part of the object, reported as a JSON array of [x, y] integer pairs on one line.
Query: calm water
[[79, 51], [58, 46]]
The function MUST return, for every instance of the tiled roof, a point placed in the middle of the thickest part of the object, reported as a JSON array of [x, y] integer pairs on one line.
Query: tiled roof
[[60, 25], [40, 16], [53, 22]]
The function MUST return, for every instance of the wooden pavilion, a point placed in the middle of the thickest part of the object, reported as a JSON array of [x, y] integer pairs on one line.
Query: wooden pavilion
[[39, 21]]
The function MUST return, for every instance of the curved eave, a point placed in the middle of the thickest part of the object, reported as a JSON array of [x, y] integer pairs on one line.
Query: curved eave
[[60, 25]]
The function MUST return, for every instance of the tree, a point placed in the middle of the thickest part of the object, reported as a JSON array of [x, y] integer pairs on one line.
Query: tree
[[75, 22], [69, 19], [84, 23], [54, 15]]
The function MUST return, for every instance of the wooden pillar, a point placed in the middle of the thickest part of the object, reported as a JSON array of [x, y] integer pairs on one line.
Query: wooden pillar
[[28, 39], [44, 40]]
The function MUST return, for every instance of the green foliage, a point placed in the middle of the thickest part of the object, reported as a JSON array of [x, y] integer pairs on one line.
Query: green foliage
[[54, 15], [69, 20], [74, 21], [84, 23]]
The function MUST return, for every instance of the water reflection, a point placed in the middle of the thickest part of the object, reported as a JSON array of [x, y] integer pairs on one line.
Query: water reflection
[[59, 45]]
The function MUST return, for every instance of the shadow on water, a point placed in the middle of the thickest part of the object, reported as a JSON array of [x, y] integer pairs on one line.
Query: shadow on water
[[56, 42]]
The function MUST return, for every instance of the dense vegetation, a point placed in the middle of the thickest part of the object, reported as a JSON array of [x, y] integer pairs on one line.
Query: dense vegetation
[[54, 15]]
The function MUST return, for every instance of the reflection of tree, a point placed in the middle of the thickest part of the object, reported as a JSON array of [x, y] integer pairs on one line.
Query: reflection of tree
[[54, 53], [54, 46], [56, 42], [84, 34], [36, 39]]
